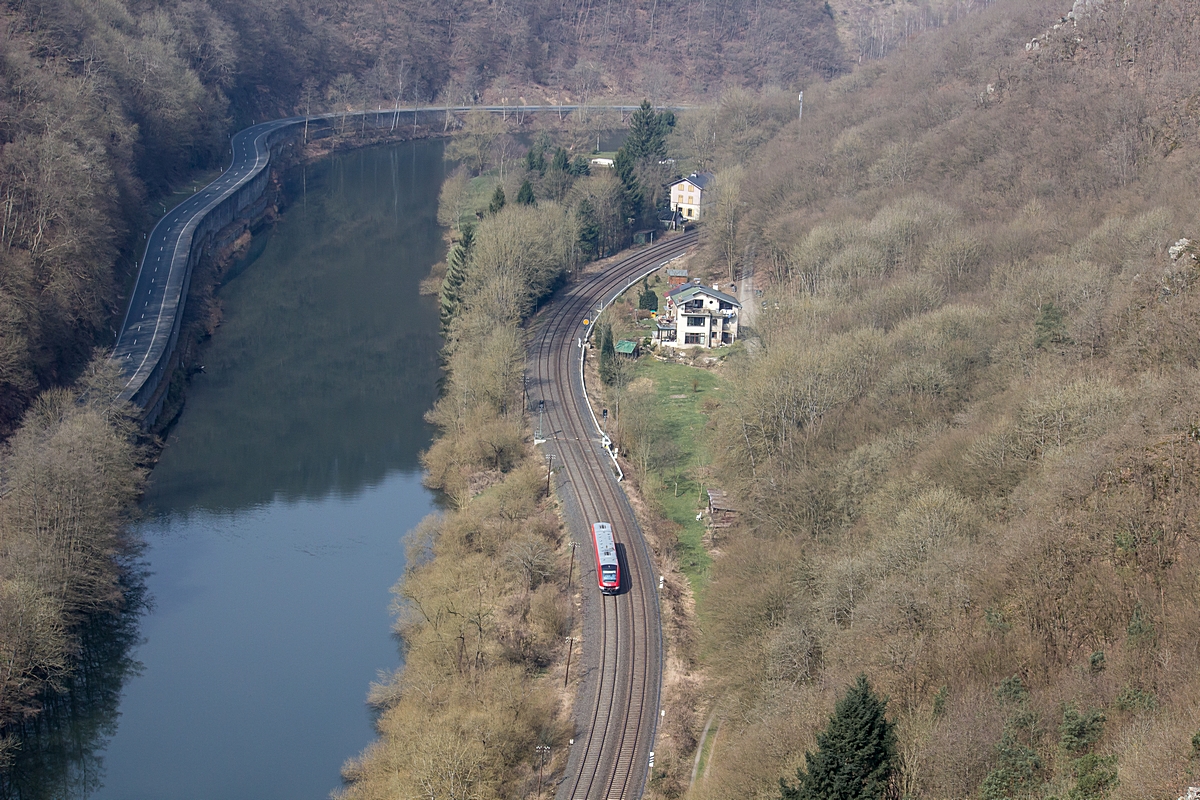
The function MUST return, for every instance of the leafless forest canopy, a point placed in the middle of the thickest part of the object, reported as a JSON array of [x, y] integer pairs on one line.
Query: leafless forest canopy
[[967, 444], [965, 439]]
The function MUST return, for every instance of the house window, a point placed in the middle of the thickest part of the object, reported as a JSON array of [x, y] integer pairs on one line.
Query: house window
[[689, 211], [726, 306], [693, 338], [696, 322]]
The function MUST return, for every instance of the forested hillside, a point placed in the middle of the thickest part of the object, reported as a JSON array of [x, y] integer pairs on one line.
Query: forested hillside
[[966, 442], [104, 104]]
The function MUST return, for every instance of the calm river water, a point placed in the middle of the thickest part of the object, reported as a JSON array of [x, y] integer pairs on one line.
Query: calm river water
[[275, 515]]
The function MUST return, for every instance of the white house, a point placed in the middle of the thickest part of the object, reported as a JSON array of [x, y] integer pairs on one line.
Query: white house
[[692, 196], [697, 316]]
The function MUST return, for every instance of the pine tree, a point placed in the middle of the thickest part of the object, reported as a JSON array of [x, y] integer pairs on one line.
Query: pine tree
[[645, 147], [648, 299], [580, 167], [560, 162], [648, 131], [589, 229], [633, 197], [535, 159], [608, 354], [525, 194], [497, 201], [856, 753], [450, 298]]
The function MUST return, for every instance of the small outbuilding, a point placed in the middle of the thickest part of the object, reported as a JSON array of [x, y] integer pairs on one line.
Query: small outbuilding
[[626, 347], [721, 511]]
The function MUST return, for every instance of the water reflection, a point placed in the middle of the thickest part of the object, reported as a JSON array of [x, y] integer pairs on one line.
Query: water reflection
[[61, 751], [317, 381], [275, 513]]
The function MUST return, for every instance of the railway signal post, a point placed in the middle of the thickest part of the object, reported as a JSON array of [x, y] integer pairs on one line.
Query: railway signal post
[[543, 750]]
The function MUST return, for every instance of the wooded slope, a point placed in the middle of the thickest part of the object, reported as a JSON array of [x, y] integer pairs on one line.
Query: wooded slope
[[967, 445], [104, 104]]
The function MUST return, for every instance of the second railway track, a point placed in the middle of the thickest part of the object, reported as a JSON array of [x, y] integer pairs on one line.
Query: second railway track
[[617, 708]]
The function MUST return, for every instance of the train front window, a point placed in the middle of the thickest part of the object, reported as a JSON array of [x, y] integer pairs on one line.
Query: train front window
[[609, 574]]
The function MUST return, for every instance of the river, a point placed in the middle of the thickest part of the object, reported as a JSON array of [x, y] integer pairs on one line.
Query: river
[[275, 515]]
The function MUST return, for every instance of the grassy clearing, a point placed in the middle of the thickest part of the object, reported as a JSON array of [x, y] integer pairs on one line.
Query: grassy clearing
[[479, 194], [680, 393], [666, 433]]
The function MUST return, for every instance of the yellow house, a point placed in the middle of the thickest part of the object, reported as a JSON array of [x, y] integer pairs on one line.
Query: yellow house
[[692, 196]]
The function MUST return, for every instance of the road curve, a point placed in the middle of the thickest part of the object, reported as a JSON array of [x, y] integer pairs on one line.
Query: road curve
[[622, 662], [617, 707], [156, 302]]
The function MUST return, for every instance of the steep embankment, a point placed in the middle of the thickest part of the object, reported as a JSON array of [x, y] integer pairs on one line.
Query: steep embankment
[[966, 446]]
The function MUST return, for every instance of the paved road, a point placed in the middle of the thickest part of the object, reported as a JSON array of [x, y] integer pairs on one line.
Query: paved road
[[160, 291], [616, 711]]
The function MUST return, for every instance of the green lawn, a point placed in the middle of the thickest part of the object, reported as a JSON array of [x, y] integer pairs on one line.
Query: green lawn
[[479, 194], [679, 396], [680, 392]]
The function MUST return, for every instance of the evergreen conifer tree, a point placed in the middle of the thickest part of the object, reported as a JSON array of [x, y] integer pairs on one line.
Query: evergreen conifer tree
[[648, 299], [450, 298], [525, 194], [560, 162], [589, 229], [535, 159], [608, 354], [497, 201], [633, 197], [645, 147], [648, 131], [856, 753], [580, 167]]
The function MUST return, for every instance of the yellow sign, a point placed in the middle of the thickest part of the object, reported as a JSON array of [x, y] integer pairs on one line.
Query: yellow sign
[[585, 322]]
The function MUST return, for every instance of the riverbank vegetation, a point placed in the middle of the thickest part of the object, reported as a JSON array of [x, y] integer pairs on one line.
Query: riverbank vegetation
[[965, 443], [69, 477], [483, 607]]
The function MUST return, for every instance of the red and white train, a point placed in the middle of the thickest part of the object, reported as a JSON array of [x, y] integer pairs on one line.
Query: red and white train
[[608, 568]]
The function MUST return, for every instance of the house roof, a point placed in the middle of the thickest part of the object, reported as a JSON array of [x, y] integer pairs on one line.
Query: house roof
[[674, 290], [625, 346], [689, 290], [719, 501], [700, 180], [676, 273]]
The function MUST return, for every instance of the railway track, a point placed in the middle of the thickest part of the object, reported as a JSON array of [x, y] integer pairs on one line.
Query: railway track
[[617, 708]]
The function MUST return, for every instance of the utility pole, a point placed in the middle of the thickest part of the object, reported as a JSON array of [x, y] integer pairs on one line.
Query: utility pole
[[800, 116], [570, 571], [570, 646], [549, 467]]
